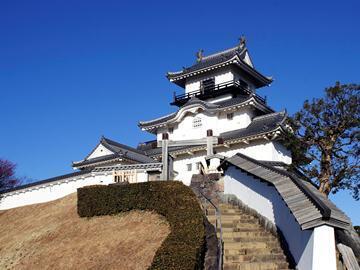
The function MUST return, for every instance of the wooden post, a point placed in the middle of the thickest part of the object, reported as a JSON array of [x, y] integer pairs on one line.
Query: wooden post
[[165, 157], [209, 142]]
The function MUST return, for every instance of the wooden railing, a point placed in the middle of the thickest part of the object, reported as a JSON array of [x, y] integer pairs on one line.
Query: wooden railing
[[209, 90]]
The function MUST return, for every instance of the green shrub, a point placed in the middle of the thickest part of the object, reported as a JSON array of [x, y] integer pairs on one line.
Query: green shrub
[[184, 247]]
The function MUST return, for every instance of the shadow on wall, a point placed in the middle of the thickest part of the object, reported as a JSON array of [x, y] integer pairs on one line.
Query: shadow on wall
[[265, 199]]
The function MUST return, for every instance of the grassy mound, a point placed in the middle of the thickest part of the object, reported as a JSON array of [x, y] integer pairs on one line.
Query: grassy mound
[[184, 246], [52, 236]]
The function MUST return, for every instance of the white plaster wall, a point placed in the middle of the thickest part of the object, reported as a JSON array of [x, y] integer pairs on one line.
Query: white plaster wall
[[55, 190], [142, 176], [281, 153], [51, 191], [311, 249], [247, 60], [192, 86], [180, 166], [225, 76], [160, 131], [221, 75], [324, 248], [260, 150], [100, 151], [218, 122]]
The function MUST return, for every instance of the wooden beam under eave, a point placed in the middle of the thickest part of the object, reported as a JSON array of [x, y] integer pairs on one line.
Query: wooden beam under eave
[[246, 141], [190, 153], [226, 145], [275, 136]]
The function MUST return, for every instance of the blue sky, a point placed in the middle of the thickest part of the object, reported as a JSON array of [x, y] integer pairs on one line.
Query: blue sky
[[71, 71]]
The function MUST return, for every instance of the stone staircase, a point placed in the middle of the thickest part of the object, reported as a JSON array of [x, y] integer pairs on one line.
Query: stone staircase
[[247, 245]]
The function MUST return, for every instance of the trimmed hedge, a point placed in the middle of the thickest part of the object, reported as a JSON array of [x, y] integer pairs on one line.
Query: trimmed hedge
[[184, 247]]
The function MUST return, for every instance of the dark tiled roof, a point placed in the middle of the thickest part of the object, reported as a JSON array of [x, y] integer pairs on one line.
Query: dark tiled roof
[[158, 120], [195, 100], [127, 151], [156, 151], [216, 59], [261, 124], [53, 179], [119, 151], [210, 60], [295, 192], [96, 160], [210, 106], [145, 146]]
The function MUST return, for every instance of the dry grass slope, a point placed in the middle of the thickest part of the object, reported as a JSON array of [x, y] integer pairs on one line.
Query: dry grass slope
[[52, 236]]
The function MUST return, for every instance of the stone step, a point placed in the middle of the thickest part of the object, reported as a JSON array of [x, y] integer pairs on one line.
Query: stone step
[[237, 218], [246, 230], [240, 225], [230, 244], [255, 266], [267, 239], [255, 233], [252, 251], [247, 245], [255, 258]]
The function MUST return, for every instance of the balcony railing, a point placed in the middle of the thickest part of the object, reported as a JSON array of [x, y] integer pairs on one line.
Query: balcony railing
[[214, 90]]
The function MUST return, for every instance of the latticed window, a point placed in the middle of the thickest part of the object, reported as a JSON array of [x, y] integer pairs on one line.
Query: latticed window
[[125, 176], [197, 122]]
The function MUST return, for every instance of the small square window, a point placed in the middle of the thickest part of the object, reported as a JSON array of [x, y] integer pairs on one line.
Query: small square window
[[189, 167], [230, 116]]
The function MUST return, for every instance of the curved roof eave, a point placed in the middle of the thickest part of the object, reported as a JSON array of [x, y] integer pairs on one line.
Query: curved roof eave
[[179, 77], [176, 117]]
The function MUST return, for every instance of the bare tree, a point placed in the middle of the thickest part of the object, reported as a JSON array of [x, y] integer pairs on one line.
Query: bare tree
[[7, 175]]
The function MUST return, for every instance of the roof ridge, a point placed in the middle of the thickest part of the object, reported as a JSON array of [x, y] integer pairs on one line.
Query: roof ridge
[[257, 118], [194, 100], [223, 52], [114, 155], [127, 147], [158, 119]]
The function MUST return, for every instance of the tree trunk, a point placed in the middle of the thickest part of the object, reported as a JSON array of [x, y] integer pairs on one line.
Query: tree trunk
[[325, 187], [325, 174]]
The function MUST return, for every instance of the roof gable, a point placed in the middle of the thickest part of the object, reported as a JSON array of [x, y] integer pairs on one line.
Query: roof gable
[[99, 151], [109, 151]]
